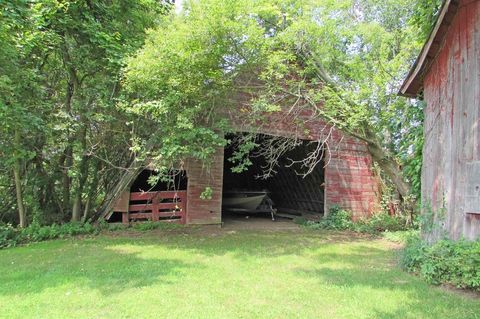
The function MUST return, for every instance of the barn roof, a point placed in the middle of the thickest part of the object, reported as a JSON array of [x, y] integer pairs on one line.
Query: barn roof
[[413, 84]]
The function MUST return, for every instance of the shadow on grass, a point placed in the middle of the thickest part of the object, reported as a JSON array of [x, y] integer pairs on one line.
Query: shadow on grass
[[425, 301], [247, 244], [93, 262], [94, 265]]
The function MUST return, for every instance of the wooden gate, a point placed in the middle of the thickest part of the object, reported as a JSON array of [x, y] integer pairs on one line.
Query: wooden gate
[[167, 206]]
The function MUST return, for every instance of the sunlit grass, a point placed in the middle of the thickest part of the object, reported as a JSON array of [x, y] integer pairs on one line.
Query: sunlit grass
[[197, 274]]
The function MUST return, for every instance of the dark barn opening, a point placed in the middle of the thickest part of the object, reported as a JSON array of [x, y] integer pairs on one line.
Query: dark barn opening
[[291, 193], [175, 180]]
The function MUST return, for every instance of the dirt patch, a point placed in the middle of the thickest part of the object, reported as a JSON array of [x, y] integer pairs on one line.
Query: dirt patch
[[254, 223], [241, 222], [463, 292]]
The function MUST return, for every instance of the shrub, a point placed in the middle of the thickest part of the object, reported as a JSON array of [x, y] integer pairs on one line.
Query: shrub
[[446, 261], [149, 225], [337, 219], [340, 219], [10, 236], [115, 227], [412, 254], [380, 223], [301, 221], [401, 236]]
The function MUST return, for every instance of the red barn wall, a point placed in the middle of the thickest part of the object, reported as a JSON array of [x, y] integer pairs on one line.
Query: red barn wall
[[350, 181], [205, 211], [451, 166]]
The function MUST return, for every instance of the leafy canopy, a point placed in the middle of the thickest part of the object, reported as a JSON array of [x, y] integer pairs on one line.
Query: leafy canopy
[[192, 63]]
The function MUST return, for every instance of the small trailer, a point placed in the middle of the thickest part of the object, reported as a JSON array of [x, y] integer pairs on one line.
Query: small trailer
[[254, 202]]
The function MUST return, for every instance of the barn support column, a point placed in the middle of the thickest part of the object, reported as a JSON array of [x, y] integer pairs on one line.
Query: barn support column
[[350, 182], [205, 211]]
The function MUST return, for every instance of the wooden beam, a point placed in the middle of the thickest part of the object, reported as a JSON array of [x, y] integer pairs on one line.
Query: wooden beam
[[413, 83]]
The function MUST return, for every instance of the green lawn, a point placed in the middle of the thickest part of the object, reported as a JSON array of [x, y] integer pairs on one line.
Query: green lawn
[[219, 274]]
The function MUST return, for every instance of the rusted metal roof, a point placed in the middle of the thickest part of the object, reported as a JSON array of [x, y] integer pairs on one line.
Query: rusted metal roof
[[413, 84]]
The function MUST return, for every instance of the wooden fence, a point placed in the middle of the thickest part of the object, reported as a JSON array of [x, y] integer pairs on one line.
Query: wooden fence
[[157, 206]]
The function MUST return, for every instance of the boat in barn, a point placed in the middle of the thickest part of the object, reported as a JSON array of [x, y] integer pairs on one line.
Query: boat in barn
[[241, 201]]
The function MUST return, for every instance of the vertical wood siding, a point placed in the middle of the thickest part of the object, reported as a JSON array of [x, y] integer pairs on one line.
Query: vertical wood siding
[[452, 129]]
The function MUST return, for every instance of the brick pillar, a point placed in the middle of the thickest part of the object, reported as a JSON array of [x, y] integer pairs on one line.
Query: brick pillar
[[350, 180], [203, 211]]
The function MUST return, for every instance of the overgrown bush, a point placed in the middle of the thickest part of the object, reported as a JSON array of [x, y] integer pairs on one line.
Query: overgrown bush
[[115, 227], [340, 219], [381, 222], [446, 261], [337, 219], [402, 236], [148, 225], [10, 236]]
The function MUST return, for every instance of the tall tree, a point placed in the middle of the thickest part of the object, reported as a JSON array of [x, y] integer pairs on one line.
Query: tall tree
[[19, 93], [60, 76], [345, 59]]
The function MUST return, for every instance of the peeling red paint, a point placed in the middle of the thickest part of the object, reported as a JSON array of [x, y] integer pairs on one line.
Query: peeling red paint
[[452, 120]]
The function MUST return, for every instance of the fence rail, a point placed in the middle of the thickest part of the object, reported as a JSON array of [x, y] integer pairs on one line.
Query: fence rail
[[157, 206]]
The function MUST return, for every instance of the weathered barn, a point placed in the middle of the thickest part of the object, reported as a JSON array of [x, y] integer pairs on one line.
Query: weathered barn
[[447, 74], [345, 178]]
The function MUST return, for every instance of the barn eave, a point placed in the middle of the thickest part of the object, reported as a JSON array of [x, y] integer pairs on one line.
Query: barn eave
[[413, 84]]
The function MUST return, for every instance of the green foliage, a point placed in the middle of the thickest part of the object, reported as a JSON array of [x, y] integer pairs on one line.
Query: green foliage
[[60, 70], [148, 225], [446, 261], [337, 219], [79, 100], [401, 236], [379, 223], [103, 225], [340, 219], [348, 56], [207, 193], [301, 221], [241, 153], [410, 144], [10, 236], [425, 15], [431, 220]]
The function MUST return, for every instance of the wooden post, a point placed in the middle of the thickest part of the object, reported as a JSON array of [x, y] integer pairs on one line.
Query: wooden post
[[126, 218], [155, 208]]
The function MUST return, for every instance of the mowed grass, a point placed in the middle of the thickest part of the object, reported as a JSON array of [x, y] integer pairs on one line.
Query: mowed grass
[[219, 274]]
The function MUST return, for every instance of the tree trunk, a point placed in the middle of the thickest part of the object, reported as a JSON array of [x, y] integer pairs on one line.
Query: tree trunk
[[388, 164], [92, 190], [72, 88], [124, 183], [67, 160], [18, 183], [82, 176]]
